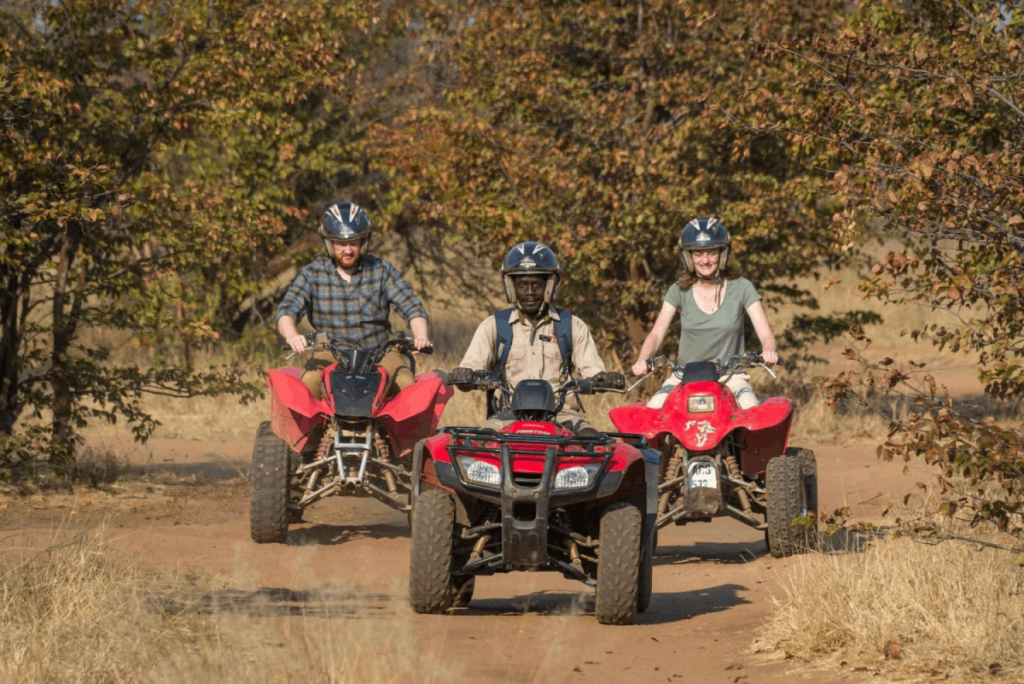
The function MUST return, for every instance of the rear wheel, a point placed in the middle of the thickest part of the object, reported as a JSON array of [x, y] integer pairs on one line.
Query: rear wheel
[[791, 484], [431, 589], [618, 566], [268, 509]]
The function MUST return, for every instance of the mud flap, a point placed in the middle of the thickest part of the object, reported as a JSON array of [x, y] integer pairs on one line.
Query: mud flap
[[652, 466]]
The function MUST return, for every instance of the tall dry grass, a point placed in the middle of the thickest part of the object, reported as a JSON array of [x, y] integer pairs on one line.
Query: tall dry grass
[[905, 609], [80, 611]]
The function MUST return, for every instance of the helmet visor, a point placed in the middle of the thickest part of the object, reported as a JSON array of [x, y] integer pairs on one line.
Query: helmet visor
[[357, 241]]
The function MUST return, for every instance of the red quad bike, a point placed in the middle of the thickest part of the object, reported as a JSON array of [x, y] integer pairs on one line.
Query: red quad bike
[[367, 443], [533, 496], [720, 460]]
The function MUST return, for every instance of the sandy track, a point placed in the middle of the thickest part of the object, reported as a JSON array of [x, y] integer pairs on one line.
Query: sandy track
[[713, 582]]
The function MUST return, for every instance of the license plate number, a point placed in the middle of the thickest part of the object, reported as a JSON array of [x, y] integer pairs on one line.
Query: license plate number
[[702, 474]]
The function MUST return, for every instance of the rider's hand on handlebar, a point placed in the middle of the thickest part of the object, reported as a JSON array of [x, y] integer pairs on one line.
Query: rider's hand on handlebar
[[640, 368], [460, 375], [297, 343], [421, 343], [770, 358], [611, 379]]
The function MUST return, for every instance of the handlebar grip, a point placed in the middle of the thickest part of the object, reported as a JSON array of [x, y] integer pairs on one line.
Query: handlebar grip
[[586, 386], [310, 339]]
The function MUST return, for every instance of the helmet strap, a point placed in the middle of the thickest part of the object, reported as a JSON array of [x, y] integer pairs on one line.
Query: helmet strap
[[549, 290], [533, 318]]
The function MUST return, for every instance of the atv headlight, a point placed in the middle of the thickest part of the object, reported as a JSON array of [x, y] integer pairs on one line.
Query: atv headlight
[[576, 476], [480, 471], [701, 403]]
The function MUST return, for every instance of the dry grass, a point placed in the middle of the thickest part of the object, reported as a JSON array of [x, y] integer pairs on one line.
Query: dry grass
[[80, 611], [905, 609]]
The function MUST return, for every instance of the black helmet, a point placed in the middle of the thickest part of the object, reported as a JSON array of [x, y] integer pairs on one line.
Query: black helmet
[[344, 221], [705, 232], [531, 258]]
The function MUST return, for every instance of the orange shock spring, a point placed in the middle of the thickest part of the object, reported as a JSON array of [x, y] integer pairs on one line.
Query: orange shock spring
[[670, 472], [734, 473]]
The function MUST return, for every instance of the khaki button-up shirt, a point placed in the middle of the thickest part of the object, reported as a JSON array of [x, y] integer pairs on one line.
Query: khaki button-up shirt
[[534, 353]]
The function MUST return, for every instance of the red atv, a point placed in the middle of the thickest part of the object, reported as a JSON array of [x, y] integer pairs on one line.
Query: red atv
[[366, 444], [533, 496], [720, 460]]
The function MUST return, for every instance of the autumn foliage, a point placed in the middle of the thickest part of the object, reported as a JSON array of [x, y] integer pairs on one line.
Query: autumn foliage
[[915, 106], [152, 156], [160, 161], [602, 129]]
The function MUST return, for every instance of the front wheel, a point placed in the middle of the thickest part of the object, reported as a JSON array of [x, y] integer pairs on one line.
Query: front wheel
[[643, 600], [430, 565], [618, 564], [268, 508], [791, 484]]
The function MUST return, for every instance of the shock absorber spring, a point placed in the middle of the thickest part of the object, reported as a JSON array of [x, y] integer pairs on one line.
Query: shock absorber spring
[[325, 445], [734, 473]]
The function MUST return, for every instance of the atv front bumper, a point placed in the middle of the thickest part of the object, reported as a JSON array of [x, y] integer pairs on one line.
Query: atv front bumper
[[525, 501]]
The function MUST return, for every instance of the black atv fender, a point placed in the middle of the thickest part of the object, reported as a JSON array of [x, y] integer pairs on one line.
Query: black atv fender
[[652, 466]]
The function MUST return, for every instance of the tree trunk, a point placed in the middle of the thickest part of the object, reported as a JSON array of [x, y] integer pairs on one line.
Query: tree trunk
[[10, 342], [63, 333]]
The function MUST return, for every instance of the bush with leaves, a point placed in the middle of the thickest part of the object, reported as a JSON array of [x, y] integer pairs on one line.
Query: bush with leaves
[[916, 109], [152, 156], [602, 128]]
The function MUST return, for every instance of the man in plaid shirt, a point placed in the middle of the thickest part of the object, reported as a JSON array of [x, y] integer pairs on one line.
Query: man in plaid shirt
[[348, 295]]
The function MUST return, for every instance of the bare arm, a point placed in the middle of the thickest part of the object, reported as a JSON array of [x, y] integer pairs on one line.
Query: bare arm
[[419, 332], [655, 339], [295, 340], [764, 332]]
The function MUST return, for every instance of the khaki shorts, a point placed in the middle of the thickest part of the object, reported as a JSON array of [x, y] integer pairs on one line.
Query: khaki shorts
[[738, 383], [398, 366]]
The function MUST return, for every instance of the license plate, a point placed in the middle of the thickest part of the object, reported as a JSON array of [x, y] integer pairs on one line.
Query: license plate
[[702, 474]]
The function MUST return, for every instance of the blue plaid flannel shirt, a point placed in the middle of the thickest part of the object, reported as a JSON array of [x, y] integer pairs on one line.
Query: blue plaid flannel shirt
[[354, 313]]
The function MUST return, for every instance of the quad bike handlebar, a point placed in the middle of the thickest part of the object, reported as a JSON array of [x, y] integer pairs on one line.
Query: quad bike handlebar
[[318, 341], [732, 365], [495, 381]]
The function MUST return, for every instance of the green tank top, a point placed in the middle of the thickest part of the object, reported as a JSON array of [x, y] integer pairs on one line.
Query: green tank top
[[717, 336]]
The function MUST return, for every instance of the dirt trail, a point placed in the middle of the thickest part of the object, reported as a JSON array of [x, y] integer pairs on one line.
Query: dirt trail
[[713, 582]]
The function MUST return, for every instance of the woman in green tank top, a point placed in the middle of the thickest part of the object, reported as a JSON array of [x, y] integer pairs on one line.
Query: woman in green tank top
[[711, 299]]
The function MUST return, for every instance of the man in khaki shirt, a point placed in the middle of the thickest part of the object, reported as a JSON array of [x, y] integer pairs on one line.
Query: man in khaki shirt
[[531, 275]]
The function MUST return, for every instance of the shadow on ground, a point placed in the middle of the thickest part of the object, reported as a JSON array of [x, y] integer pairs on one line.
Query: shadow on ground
[[666, 607], [725, 553], [841, 541], [278, 602], [198, 473], [330, 535]]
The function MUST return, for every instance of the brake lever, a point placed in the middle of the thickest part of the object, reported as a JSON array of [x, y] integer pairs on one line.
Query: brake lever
[[774, 376], [629, 389]]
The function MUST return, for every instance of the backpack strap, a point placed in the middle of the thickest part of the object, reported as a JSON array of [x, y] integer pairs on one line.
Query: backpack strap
[[502, 345], [563, 334], [503, 338]]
